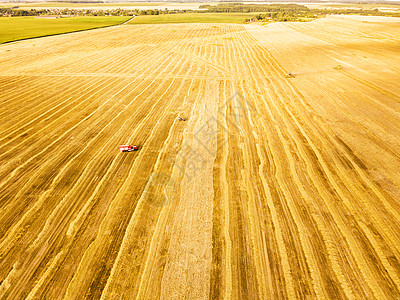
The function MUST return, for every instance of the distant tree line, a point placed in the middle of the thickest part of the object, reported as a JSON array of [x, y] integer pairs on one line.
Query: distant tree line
[[246, 8], [17, 12], [288, 12], [291, 16]]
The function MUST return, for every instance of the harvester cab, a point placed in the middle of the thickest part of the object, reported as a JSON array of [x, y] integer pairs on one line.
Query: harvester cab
[[127, 148]]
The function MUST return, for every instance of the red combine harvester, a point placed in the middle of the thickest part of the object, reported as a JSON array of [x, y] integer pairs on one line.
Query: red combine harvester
[[127, 148]]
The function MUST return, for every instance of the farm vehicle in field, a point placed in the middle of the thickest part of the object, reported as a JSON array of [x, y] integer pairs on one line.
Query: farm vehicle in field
[[128, 148]]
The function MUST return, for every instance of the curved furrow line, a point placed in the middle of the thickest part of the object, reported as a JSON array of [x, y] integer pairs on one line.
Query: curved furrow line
[[244, 115], [255, 194], [35, 96], [222, 277], [9, 93], [271, 192], [83, 218], [76, 284], [7, 83], [140, 214], [149, 260], [276, 126], [299, 226], [306, 195], [245, 284], [303, 228], [308, 108], [243, 119], [124, 185], [47, 117], [312, 257], [299, 183], [386, 110], [241, 44], [342, 195], [48, 114], [221, 283], [69, 42], [59, 138], [242, 287], [376, 88], [371, 134], [228, 289], [41, 199], [352, 241], [21, 191], [365, 123], [39, 117], [361, 175], [341, 37], [39, 101], [167, 217], [59, 176], [73, 228], [282, 208], [27, 163]]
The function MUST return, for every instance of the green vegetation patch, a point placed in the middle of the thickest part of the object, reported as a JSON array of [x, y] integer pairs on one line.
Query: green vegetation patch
[[192, 18], [18, 28]]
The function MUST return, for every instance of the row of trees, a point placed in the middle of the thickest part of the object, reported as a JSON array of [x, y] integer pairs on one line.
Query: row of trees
[[246, 8], [292, 16], [284, 17], [287, 12], [8, 12], [16, 12]]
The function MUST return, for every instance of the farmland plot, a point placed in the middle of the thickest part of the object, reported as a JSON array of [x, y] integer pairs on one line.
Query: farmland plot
[[263, 192]]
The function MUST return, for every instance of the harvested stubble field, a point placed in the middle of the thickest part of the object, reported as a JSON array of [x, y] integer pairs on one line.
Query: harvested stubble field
[[273, 188]]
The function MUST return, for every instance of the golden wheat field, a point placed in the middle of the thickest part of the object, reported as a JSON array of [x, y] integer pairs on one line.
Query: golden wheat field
[[274, 187]]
